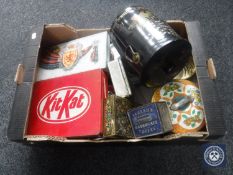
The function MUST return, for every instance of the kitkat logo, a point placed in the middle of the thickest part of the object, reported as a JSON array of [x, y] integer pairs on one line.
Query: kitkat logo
[[64, 105]]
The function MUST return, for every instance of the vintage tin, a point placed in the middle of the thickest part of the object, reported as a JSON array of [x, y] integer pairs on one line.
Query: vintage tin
[[116, 122], [118, 75], [75, 56], [152, 49], [150, 120], [184, 101], [69, 106]]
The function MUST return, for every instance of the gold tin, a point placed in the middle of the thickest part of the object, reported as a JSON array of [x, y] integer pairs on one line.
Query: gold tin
[[188, 71], [116, 122]]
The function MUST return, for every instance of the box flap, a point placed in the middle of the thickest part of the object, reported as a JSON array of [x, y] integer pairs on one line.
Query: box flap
[[19, 112], [24, 79], [195, 38], [35, 35], [212, 105]]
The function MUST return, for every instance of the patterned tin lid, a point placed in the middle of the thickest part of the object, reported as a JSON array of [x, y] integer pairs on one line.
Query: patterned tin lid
[[185, 104], [188, 71]]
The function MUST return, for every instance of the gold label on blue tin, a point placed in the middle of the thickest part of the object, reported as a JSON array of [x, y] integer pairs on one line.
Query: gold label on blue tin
[[146, 121]]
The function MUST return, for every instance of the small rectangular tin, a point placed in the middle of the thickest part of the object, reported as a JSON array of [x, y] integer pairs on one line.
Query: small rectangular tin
[[118, 75], [75, 56], [116, 122], [150, 120]]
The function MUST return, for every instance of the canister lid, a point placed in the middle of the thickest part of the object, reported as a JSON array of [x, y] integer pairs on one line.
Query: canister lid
[[190, 116]]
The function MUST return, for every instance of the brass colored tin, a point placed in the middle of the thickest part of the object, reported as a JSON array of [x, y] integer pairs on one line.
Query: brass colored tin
[[188, 71], [116, 122]]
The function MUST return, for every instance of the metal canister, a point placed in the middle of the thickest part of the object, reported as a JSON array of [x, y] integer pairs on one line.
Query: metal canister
[[151, 48]]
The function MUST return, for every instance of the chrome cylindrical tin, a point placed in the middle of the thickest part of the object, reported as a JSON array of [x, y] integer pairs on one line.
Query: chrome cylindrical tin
[[152, 49]]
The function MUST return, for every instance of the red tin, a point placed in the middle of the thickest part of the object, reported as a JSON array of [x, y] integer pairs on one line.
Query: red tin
[[69, 106]]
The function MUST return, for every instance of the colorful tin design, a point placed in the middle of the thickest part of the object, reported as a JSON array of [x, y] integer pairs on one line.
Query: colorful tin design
[[184, 100], [116, 122], [75, 56]]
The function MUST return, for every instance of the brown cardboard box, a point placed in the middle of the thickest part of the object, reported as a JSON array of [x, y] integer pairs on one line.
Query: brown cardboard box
[[52, 34]]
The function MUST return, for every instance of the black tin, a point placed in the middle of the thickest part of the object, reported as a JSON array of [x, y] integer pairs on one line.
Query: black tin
[[153, 51]]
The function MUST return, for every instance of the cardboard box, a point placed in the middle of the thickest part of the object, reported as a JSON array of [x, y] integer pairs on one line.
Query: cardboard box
[[52, 34]]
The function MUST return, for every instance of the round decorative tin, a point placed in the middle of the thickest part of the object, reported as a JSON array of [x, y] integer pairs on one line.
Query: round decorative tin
[[185, 104], [152, 49]]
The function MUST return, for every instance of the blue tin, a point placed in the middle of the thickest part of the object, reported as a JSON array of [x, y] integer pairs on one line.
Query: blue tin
[[146, 121]]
